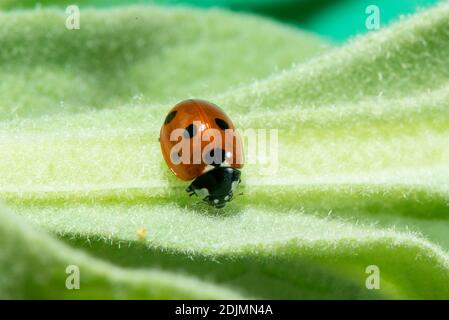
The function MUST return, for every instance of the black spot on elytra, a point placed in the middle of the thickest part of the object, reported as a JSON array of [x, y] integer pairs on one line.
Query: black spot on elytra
[[221, 123], [170, 117], [190, 131]]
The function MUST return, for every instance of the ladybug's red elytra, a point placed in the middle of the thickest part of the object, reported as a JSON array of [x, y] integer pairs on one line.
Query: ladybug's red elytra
[[199, 143]]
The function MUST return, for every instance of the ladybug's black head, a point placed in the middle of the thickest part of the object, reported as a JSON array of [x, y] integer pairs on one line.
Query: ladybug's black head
[[216, 187]]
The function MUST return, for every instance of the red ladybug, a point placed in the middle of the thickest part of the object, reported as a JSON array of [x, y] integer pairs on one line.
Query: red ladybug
[[199, 141]]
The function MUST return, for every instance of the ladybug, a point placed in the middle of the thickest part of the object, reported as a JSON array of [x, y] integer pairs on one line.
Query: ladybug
[[199, 142]]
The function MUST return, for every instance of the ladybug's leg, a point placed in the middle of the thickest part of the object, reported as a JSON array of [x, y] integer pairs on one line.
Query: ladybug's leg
[[190, 191]]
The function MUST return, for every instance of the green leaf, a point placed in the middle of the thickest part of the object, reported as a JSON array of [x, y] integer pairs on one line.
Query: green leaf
[[34, 265], [363, 158], [143, 55]]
